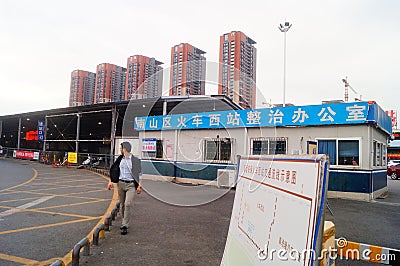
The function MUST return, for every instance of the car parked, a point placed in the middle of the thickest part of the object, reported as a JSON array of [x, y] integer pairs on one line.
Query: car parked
[[394, 171], [393, 162]]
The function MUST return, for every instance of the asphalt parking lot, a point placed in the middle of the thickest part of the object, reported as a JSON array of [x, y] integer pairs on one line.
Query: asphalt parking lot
[[45, 211], [167, 234]]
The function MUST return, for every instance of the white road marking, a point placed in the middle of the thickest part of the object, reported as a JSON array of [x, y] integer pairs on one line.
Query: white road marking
[[386, 203], [11, 211]]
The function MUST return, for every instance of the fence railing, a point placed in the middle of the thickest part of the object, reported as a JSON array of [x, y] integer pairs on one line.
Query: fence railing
[[92, 160]]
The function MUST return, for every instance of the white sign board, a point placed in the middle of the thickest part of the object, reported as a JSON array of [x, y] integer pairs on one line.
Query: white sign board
[[149, 145], [277, 211]]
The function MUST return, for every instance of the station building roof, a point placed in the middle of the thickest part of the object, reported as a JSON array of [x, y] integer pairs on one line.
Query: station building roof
[[95, 121]]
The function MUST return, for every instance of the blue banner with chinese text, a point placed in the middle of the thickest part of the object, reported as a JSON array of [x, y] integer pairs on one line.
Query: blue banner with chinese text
[[325, 114]]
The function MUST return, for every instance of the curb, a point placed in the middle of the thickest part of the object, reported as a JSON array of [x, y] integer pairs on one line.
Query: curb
[[68, 258]]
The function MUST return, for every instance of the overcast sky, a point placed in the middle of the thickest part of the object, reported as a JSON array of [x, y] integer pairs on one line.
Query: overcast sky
[[43, 41]]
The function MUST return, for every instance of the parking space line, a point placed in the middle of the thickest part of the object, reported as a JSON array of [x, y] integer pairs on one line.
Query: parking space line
[[68, 257], [10, 192], [52, 188], [73, 204], [23, 199], [47, 226], [65, 177], [48, 262], [14, 210], [32, 191], [65, 195], [64, 186], [18, 259], [54, 175], [15, 200], [22, 184], [23, 207], [55, 195], [77, 181]]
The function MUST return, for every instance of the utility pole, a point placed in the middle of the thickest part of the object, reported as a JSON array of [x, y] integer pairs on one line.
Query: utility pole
[[284, 28]]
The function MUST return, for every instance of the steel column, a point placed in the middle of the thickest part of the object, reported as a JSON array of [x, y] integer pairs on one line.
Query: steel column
[[78, 127], [19, 133], [114, 117]]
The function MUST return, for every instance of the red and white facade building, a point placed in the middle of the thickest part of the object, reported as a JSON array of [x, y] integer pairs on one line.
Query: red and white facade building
[[237, 68], [144, 78]]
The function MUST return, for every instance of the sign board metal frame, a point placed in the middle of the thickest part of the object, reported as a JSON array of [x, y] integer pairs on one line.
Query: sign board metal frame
[[279, 206]]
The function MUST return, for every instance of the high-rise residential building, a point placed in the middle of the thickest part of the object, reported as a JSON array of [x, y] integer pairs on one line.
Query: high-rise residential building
[[237, 68], [82, 88], [110, 83], [188, 70], [143, 78]]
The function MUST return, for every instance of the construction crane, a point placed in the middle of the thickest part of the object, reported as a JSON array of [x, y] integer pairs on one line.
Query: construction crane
[[346, 91]]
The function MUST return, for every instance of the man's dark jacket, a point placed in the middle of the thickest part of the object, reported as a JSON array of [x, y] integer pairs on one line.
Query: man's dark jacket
[[136, 169]]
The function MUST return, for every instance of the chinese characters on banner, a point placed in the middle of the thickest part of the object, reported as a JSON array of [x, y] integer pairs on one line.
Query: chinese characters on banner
[[326, 114], [21, 154], [149, 145]]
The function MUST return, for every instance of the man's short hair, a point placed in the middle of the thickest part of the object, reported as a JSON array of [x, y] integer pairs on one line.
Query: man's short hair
[[127, 146]]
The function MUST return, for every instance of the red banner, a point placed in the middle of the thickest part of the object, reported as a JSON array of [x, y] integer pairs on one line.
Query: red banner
[[19, 154]]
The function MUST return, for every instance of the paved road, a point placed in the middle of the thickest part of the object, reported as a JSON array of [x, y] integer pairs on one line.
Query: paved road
[[375, 223], [13, 173], [165, 234], [45, 211]]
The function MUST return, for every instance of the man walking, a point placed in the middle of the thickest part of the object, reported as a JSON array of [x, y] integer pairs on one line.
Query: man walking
[[127, 172]]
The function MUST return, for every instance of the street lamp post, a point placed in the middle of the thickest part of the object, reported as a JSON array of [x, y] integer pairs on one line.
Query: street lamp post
[[284, 28]]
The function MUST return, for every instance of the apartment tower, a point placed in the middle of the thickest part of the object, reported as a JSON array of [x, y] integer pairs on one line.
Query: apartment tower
[[110, 83], [82, 88], [188, 70], [237, 68], [144, 78]]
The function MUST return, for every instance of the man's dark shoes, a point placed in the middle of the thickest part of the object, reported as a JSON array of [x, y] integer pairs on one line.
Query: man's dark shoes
[[124, 230]]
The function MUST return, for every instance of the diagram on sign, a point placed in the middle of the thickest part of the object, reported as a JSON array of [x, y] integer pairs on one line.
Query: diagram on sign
[[275, 216], [266, 218]]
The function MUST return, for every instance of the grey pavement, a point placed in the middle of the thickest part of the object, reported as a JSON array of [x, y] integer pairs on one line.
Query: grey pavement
[[13, 173], [166, 234], [163, 231], [376, 223], [43, 215]]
